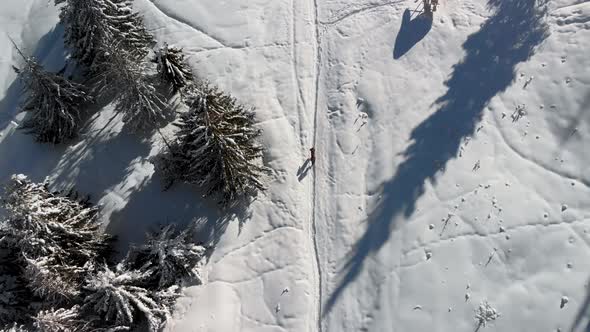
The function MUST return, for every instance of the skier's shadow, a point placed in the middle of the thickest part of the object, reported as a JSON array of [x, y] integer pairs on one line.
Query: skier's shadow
[[303, 170]]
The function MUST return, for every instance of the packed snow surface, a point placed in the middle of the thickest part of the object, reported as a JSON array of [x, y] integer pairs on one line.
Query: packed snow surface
[[451, 188]]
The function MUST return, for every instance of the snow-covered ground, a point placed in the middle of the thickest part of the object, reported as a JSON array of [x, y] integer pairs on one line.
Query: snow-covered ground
[[453, 161]]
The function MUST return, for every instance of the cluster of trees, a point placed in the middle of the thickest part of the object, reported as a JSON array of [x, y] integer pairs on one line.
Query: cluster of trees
[[57, 271], [216, 139]]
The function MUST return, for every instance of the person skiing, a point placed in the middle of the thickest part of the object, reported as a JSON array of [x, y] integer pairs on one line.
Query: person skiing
[[312, 158]]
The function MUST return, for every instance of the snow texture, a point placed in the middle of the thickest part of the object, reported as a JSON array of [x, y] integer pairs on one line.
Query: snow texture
[[400, 109]]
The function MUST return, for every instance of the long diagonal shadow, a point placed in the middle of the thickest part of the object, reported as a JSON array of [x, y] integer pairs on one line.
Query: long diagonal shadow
[[583, 315], [506, 39]]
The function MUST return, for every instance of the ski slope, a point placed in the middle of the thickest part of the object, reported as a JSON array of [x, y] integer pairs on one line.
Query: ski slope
[[452, 161]]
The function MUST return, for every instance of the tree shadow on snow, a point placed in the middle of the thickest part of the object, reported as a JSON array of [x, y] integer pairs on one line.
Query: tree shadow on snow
[[148, 209], [582, 319], [411, 32], [506, 39]]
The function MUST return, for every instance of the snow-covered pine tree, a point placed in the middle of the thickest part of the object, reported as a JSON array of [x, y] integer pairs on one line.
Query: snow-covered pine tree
[[15, 328], [14, 295], [57, 239], [135, 93], [54, 103], [92, 24], [172, 67], [117, 297], [215, 147], [49, 224], [60, 320], [168, 256], [51, 281]]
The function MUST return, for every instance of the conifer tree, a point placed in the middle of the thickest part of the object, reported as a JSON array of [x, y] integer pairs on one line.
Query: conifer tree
[[172, 67], [168, 257], [56, 238], [117, 298], [67, 229], [54, 103], [60, 320], [51, 281], [15, 328], [90, 25], [215, 147], [136, 96], [14, 295]]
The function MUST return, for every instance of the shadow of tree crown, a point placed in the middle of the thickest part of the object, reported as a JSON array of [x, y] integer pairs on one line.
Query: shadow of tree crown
[[507, 38]]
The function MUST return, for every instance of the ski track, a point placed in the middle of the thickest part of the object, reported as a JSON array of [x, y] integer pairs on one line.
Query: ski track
[[197, 29], [358, 11], [318, 66]]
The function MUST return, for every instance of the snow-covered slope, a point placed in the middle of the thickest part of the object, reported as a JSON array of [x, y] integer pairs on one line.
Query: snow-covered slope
[[431, 191]]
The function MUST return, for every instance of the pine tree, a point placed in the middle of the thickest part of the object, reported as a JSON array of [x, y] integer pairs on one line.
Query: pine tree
[[60, 320], [51, 281], [215, 147], [172, 67], [14, 295], [55, 237], [54, 103], [15, 328], [169, 257], [135, 93], [117, 297], [90, 25], [49, 224]]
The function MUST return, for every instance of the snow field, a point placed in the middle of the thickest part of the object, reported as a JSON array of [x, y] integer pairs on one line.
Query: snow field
[[414, 125]]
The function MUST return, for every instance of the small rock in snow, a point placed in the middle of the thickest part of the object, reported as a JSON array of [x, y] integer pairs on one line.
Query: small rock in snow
[[450, 309], [570, 265], [502, 229], [563, 207], [418, 307], [285, 291], [467, 296], [545, 215], [431, 226], [508, 238], [428, 254], [278, 308], [564, 301]]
